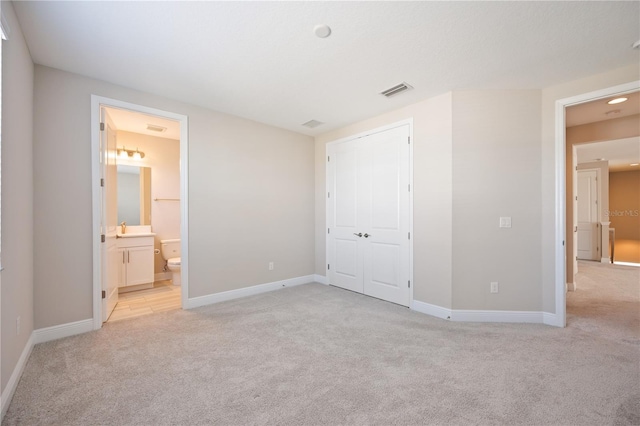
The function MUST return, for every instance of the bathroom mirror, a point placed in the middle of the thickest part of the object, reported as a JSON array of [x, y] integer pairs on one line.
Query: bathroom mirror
[[134, 195]]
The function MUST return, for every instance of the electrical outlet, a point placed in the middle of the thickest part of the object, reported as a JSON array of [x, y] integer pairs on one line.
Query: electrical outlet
[[271, 266], [17, 326], [494, 287]]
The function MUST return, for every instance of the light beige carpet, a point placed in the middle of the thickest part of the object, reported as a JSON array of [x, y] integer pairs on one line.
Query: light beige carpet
[[316, 354]]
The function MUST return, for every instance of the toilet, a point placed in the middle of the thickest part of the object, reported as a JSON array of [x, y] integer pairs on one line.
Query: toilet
[[170, 250]]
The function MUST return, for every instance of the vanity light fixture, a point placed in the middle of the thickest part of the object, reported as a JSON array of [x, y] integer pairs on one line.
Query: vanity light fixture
[[634, 164], [129, 153], [616, 101]]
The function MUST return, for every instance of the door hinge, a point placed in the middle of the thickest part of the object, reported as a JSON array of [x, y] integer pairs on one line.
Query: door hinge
[[101, 181], [328, 195], [409, 187], [409, 139], [409, 283], [104, 294], [102, 238], [328, 266], [409, 235], [101, 126], [328, 158], [328, 231]]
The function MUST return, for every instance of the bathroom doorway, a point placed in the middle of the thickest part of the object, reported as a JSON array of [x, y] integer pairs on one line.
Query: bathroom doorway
[[139, 199]]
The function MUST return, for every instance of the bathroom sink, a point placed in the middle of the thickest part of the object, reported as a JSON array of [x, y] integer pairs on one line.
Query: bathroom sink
[[136, 231], [136, 235]]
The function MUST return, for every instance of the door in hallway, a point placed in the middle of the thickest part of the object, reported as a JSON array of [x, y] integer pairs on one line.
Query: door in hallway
[[588, 215]]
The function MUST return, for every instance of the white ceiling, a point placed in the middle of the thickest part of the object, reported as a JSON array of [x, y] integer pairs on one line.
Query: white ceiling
[[262, 61], [135, 122], [600, 110]]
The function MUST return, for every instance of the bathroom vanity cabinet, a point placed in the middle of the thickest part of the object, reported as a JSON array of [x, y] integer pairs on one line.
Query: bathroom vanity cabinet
[[135, 261]]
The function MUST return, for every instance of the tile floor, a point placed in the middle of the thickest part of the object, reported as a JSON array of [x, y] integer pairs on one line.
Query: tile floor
[[164, 296]]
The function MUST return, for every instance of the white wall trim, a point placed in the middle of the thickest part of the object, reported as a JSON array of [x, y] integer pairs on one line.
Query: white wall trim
[[322, 279], [224, 296], [12, 384], [429, 309], [560, 188], [485, 316], [48, 334], [552, 319], [497, 316], [96, 103], [162, 276]]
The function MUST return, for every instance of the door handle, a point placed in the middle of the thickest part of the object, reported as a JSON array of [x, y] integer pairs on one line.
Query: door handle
[[367, 235], [359, 234]]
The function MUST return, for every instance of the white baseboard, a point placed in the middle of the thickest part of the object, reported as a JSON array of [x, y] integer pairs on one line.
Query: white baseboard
[[12, 384], [486, 316], [429, 309], [47, 334], [320, 279], [210, 299], [162, 276], [552, 319], [605, 260], [497, 316]]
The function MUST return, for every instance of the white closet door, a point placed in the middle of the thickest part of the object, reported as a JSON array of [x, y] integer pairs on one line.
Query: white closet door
[[386, 221], [343, 195], [368, 248]]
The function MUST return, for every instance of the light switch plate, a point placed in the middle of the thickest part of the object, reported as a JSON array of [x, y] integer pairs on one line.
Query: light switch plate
[[505, 222]]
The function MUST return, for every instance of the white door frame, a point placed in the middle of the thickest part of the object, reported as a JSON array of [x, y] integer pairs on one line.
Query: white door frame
[[561, 184], [408, 121], [96, 103]]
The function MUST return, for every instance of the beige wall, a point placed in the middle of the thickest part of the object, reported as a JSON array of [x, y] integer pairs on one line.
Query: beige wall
[[162, 155], [17, 195], [496, 172], [432, 203], [607, 130], [250, 197], [617, 128], [624, 208]]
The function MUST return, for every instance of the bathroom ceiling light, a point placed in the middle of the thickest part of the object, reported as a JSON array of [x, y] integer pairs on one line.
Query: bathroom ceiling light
[[616, 101], [634, 164], [128, 153]]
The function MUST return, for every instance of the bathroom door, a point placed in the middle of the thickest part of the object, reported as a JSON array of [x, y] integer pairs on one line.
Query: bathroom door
[[109, 252]]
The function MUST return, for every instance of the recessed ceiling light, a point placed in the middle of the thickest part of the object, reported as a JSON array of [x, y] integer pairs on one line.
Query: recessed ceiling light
[[634, 164], [616, 101], [322, 31]]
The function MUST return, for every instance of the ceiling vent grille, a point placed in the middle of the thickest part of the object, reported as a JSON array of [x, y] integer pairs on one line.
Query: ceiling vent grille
[[398, 88], [312, 124], [155, 128]]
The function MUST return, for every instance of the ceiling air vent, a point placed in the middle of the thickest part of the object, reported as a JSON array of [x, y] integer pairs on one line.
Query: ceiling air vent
[[154, 128], [312, 123], [398, 88]]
